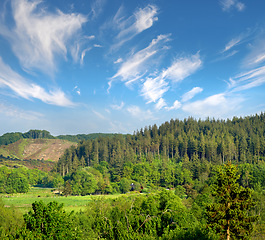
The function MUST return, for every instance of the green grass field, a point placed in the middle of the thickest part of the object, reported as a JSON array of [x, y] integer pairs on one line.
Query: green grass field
[[23, 201]]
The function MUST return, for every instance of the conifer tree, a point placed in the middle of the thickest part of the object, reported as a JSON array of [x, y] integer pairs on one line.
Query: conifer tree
[[229, 214]]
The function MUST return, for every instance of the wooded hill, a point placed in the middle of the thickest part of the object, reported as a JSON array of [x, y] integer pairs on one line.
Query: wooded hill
[[38, 145], [240, 140], [175, 153], [8, 138]]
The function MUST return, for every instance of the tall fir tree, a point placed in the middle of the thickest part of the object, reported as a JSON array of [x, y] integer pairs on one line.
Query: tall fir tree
[[229, 215]]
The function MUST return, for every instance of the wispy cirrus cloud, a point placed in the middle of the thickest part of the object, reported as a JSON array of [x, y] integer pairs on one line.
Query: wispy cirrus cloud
[[182, 68], [232, 43], [160, 104], [22, 88], [228, 5], [117, 107], [190, 94], [256, 56], [154, 88], [39, 36], [226, 103], [247, 80], [142, 19], [132, 68]]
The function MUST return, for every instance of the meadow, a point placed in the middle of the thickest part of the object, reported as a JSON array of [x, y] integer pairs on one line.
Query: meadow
[[23, 201]]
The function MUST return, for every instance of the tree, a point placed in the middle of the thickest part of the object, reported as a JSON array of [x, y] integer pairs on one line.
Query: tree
[[229, 215], [48, 222], [83, 183], [17, 183]]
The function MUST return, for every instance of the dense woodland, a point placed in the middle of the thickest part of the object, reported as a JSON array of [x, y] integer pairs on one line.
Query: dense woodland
[[183, 170], [178, 153]]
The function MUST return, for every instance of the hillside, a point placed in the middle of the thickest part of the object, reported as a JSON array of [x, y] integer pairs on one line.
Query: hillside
[[13, 137], [46, 149]]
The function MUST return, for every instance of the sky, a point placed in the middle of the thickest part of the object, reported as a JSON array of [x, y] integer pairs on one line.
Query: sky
[[81, 66]]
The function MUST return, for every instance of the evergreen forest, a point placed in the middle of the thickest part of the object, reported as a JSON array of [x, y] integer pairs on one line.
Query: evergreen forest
[[184, 179]]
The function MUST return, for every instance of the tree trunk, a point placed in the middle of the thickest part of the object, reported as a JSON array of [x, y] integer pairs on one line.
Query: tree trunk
[[228, 231]]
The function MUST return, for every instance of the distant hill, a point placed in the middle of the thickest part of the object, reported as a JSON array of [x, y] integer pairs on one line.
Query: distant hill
[[13, 137], [43, 149]]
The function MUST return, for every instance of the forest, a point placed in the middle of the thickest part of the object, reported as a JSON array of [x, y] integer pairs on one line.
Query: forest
[[192, 179]]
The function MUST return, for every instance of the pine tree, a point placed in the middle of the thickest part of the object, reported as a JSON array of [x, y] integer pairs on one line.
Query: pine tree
[[229, 214]]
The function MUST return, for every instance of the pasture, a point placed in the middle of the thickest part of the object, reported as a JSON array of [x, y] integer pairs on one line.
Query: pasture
[[23, 201]]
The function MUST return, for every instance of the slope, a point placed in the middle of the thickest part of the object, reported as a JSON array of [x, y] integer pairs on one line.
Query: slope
[[46, 149]]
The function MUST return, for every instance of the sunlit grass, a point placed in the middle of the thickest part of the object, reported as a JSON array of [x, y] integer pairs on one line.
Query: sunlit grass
[[23, 201]]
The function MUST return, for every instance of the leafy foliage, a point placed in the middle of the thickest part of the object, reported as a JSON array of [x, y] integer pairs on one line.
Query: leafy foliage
[[48, 222]]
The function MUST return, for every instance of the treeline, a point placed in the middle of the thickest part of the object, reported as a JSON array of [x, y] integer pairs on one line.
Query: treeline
[[19, 180], [176, 153], [8, 138], [81, 137]]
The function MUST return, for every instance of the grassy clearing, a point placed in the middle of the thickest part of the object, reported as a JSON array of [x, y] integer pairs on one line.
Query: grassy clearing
[[23, 201]]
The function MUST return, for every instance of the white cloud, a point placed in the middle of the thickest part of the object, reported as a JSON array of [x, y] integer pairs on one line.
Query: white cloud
[[135, 66], [20, 86], [247, 80], [176, 105], [39, 36], [256, 56], [154, 88], [145, 18], [227, 5], [160, 104], [84, 54], [232, 43], [77, 90], [117, 107], [119, 60], [142, 19], [218, 105], [182, 68], [140, 114], [189, 95]]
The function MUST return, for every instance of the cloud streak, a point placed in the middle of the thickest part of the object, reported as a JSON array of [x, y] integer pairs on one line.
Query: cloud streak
[[135, 66], [247, 80], [182, 68], [189, 95], [39, 36], [142, 19], [22, 88], [228, 5], [153, 89]]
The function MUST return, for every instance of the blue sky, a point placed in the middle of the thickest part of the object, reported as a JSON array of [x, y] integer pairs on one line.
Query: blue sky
[[117, 66]]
